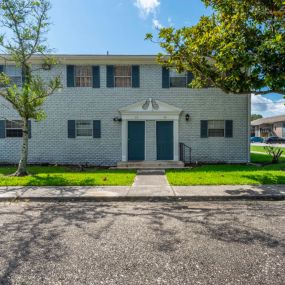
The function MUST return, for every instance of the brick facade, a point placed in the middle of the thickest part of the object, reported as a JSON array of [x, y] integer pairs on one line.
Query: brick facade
[[50, 144]]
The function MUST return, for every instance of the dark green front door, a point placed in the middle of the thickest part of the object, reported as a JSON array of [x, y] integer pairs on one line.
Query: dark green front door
[[136, 140], [164, 140]]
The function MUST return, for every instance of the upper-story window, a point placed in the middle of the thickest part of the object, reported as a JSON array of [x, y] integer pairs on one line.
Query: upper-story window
[[83, 76], [15, 74], [123, 76], [14, 129], [177, 79]]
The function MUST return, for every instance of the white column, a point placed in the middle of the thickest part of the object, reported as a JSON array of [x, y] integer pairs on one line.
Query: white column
[[175, 140], [124, 140]]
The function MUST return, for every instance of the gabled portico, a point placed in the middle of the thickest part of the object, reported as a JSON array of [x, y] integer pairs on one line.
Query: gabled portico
[[152, 112]]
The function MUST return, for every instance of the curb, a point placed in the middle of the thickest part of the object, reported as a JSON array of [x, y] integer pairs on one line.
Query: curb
[[144, 198]]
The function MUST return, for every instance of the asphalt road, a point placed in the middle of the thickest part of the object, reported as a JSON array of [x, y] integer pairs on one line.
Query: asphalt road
[[142, 243]]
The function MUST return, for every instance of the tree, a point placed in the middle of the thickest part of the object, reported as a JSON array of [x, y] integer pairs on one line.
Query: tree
[[255, 117], [24, 23], [240, 48]]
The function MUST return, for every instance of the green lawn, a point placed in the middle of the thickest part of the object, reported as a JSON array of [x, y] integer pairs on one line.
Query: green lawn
[[263, 158], [260, 148], [66, 176], [230, 174]]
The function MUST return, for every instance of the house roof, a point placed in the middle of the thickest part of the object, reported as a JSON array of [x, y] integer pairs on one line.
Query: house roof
[[268, 120], [91, 59]]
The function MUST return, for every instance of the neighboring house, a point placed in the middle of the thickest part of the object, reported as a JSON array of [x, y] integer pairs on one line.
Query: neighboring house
[[271, 126], [127, 108]]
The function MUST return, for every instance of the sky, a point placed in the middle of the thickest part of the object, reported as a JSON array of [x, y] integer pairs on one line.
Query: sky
[[119, 27]]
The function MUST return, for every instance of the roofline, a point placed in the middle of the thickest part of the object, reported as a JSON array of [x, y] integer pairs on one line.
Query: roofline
[[268, 120], [92, 58]]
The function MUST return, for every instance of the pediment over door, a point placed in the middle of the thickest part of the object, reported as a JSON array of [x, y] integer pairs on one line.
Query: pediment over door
[[150, 109]]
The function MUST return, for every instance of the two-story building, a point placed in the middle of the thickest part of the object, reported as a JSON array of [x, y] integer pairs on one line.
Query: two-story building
[[117, 108]]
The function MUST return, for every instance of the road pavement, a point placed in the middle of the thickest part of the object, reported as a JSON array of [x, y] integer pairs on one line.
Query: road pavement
[[142, 243]]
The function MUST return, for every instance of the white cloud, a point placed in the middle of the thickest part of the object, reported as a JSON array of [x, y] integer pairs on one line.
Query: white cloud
[[156, 24], [170, 23], [267, 107], [147, 7]]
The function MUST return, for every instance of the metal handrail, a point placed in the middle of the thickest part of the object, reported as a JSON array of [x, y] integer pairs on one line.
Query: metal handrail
[[185, 153]]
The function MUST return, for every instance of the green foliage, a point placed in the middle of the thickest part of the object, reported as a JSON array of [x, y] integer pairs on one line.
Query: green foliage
[[255, 117], [27, 22], [239, 48]]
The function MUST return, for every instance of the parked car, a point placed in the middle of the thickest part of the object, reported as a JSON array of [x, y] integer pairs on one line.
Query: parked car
[[256, 139], [275, 140]]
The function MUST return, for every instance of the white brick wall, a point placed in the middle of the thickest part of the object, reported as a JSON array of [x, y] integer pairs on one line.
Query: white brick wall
[[49, 141]]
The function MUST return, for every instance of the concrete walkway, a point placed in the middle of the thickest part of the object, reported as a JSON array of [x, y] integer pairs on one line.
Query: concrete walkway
[[144, 192]]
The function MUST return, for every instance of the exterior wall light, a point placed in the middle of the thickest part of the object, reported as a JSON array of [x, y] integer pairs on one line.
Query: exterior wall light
[[117, 119], [46, 66], [187, 117]]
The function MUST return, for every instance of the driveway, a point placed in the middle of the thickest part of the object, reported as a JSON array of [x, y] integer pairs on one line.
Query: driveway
[[142, 243]]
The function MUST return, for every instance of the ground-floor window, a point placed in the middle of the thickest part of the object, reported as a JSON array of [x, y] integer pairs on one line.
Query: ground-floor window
[[216, 128], [14, 129], [84, 128]]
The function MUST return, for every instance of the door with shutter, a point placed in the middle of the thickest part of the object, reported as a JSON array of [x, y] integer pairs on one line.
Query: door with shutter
[[164, 140], [136, 140]]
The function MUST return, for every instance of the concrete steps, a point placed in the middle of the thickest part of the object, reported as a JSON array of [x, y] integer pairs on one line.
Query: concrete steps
[[166, 164]]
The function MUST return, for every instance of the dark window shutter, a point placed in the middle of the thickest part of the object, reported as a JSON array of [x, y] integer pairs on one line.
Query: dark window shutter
[[1, 70], [23, 76], [70, 75], [228, 128], [204, 129], [71, 129], [2, 129], [30, 129], [110, 76], [96, 76], [165, 77], [190, 77], [97, 129], [135, 76]]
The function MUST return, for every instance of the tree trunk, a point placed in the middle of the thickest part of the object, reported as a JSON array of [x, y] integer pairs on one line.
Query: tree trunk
[[22, 167]]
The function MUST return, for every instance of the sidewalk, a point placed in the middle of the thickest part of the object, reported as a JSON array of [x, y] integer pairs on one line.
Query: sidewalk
[[146, 187]]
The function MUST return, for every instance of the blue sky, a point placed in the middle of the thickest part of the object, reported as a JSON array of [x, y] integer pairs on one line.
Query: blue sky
[[119, 26]]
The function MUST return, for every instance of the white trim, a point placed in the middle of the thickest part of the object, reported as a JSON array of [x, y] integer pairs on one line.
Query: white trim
[[249, 126], [125, 140], [175, 140], [91, 59], [136, 112]]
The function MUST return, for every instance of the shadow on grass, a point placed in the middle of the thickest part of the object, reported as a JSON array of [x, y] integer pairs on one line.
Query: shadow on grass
[[37, 230], [63, 176]]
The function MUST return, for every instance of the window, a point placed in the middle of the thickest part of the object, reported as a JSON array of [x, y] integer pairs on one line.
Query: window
[[216, 128], [14, 129], [84, 128], [83, 76], [123, 76], [177, 79], [15, 74]]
